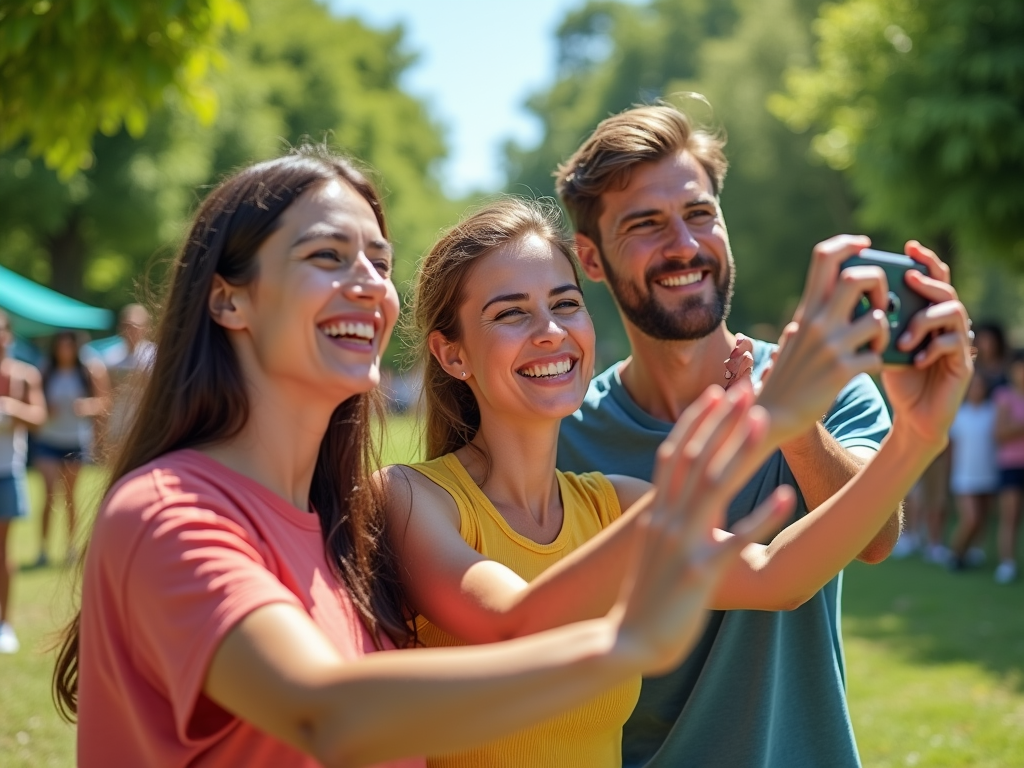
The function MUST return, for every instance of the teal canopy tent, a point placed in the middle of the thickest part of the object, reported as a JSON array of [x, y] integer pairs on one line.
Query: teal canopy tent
[[36, 310]]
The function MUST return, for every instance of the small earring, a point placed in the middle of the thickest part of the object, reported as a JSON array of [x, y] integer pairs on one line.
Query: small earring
[[463, 374]]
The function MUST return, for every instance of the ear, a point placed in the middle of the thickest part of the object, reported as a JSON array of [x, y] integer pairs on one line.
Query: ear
[[227, 304], [590, 259], [449, 355]]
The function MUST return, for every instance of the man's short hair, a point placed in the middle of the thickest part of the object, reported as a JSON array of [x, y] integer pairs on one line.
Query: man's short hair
[[620, 143]]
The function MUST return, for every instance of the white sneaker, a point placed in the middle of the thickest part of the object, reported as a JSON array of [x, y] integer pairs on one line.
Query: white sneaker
[[8, 640], [906, 545], [938, 554], [1006, 572]]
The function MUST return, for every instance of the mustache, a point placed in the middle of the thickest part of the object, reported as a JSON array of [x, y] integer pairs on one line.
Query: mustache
[[700, 261]]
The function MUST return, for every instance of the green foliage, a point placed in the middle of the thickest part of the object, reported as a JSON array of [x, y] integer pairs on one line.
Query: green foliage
[[922, 105], [71, 68], [777, 203], [297, 72], [301, 72]]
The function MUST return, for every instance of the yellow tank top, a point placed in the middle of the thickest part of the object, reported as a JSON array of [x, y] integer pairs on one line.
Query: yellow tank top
[[589, 736]]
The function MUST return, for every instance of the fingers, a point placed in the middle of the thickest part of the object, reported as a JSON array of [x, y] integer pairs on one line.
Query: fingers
[[690, 478], [824, 270], [854, 283], [935, 290], [948, 317], [937, 269], [738, 367], [949, 345], [729, 468], [769, 516], [761, 524], [670, 453], [871, 330]]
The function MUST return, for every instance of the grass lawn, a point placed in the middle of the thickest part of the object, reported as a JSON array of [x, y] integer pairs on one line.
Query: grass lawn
[[935, 661]]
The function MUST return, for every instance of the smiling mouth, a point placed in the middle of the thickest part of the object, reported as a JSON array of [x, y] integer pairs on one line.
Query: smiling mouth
[[676, 281], [547, 370], [361, 333]]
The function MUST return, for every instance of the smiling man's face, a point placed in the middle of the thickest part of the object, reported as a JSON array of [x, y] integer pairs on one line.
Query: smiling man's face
[[665, 250]]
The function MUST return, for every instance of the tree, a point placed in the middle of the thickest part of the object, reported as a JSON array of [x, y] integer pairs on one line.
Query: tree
[[296, 72], [71, 68], [777, 203], [921, 104]]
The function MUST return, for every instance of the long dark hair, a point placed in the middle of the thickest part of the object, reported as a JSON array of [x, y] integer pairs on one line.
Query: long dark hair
[[195, 393], [79, 366]]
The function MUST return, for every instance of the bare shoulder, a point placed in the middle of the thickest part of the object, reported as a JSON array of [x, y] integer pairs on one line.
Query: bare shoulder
[[410, 494], [628, 489], [18, 370]]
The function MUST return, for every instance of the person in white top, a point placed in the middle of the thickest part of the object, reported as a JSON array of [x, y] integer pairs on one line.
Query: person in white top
[[21, 405], [974, 471], [127, 361], [76, 393]]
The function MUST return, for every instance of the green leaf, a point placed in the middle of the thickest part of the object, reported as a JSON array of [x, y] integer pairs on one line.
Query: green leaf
[[83, 10]]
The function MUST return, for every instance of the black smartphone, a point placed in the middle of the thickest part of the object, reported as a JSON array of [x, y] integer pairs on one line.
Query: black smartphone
[[903, 302]]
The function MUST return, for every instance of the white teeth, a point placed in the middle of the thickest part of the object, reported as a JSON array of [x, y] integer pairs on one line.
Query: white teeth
[[362, 331], [687, 279], [548, 369]]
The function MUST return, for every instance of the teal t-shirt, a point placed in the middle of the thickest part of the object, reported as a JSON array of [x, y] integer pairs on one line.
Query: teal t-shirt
[[761, 688]]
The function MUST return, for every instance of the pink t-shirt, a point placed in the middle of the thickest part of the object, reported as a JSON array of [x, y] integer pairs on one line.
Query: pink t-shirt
[[183, 549], [1010, 454]]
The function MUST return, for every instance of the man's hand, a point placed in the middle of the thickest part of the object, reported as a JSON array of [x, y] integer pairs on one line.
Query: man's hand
[[823, 349], [925, 395]]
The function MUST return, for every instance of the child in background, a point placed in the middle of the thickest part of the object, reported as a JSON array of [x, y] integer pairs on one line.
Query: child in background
[[974, 475], [1009, 433]]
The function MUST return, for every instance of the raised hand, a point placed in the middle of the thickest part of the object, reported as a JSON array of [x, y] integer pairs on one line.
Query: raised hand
[[713, 449], [824, 349], [925, 395], [740, 363]]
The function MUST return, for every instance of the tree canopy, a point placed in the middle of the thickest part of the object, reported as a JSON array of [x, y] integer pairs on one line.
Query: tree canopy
[[296, 72], [71, 68], [776, 203], [921, 104]]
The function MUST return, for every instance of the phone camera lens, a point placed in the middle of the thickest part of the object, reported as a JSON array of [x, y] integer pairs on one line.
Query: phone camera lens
[[892, 311]]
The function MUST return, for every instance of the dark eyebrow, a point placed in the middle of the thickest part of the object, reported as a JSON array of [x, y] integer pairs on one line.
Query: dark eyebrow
[[698, 201], [524, 296], [639, 215], [506, 297], [341, 237], [702, 200]]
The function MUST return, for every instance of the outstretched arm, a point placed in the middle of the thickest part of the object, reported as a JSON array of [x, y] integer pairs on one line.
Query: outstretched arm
[[277, 670], [925, 397], [479, 600], [821, 467]]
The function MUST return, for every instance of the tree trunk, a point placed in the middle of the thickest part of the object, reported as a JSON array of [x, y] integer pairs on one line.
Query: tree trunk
[[67, 258]]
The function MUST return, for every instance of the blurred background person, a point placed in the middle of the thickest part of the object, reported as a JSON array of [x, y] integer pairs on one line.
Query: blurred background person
[[21, 405], [990, 341], [76, 394], [128, 355], [974, 473], [1009, 434]]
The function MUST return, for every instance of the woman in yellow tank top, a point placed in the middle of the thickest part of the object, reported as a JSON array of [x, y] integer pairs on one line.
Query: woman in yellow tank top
[[494, 542]]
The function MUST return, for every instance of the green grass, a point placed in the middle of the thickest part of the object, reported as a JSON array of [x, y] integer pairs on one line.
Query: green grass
[[935, 661]]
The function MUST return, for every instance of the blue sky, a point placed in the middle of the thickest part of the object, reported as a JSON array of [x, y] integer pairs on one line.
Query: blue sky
[[479, 61]]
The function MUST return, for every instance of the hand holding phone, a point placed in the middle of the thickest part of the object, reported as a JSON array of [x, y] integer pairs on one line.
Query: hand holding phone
[[903, 303]]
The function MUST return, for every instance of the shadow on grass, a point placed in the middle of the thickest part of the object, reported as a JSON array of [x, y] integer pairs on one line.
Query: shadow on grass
[[930, 616]]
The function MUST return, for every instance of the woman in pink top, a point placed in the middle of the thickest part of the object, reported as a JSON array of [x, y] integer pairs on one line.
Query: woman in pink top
[[1009, 402], [238, 579]]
